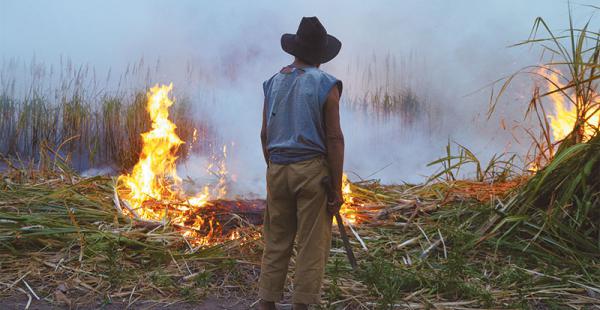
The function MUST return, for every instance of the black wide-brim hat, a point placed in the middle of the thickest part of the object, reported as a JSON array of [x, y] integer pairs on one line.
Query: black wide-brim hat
[[311, 43]]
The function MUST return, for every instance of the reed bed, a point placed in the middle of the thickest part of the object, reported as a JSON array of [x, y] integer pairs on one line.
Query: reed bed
[[89, 121], [97, 122], [387, 89]]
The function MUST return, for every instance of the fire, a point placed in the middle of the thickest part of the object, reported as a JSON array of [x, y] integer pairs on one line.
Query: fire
[[153, 191], [562, 122], [533, 167], [347, 210], [156, 168]]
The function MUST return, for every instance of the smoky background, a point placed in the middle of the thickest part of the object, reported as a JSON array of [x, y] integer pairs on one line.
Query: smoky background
[[416, 74]]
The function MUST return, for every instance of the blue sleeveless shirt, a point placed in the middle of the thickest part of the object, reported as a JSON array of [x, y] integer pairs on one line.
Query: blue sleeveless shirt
[[295, 100]]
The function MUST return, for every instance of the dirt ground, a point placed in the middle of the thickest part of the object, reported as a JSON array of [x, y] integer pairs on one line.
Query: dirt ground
[[209, 303]]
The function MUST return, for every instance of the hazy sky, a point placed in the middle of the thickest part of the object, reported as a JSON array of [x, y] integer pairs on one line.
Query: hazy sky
[[462, 45], [110, 33]]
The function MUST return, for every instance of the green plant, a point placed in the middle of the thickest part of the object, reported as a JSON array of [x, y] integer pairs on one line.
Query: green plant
[[571, 69], [388, 281], [333, 291], [497, 169], [203, 279], [556, 213]]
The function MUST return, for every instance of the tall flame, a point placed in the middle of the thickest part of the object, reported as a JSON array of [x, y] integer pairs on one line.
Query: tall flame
[[155, 174], [153, 191]]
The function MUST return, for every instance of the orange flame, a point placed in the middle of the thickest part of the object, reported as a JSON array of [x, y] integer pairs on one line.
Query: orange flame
[[155, 174], [562, 121], [153, 190], [347, 210]]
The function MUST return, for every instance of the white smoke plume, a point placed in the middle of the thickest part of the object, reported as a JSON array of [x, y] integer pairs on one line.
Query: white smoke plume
[[219, 52]]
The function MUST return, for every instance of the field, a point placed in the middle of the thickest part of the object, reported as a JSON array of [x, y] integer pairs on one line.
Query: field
[[509, 237], [417, 246]]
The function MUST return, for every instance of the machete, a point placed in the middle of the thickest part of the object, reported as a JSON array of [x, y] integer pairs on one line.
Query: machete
[[338, 218]]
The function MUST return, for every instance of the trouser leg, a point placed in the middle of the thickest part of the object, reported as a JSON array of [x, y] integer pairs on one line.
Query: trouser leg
[[279, 231], [313, 235]]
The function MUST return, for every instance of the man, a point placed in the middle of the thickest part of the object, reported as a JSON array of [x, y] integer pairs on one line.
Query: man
[[302, 143]]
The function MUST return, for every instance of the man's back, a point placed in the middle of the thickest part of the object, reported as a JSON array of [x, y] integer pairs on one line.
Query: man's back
[[295, 99], [303, 145]]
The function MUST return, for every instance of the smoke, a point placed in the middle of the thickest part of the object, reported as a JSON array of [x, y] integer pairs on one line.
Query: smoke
[[218, 54]]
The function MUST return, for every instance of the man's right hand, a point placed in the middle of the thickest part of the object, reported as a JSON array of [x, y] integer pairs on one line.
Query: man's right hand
[[335, 203]]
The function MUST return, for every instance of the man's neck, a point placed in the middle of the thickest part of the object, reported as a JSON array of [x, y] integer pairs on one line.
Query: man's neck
[[301, 64]]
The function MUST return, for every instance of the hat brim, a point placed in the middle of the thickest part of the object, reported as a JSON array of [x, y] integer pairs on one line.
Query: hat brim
[[315, 56]]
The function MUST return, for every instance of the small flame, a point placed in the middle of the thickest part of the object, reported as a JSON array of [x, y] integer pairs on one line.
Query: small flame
[[562, 122], [222, 186], [234, 235], [347, 210], [194, 139], [533, 167]]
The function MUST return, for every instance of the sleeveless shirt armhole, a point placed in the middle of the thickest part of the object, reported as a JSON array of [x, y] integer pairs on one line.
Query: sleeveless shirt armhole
[[265, 85], [339, 85], [327, 83]]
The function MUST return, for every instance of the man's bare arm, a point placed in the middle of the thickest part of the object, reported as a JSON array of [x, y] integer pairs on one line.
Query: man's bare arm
[[263, 133], [335, 146]]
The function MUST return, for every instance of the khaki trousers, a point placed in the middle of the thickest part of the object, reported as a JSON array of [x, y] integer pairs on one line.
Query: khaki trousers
[[296, 209]]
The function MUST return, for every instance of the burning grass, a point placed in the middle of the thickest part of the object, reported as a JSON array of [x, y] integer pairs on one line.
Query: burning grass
[[503, 239], [62, 235], [557, 212], [65, 242]]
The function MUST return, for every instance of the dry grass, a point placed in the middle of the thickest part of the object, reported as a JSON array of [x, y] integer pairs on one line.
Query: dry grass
[[64, 241]]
